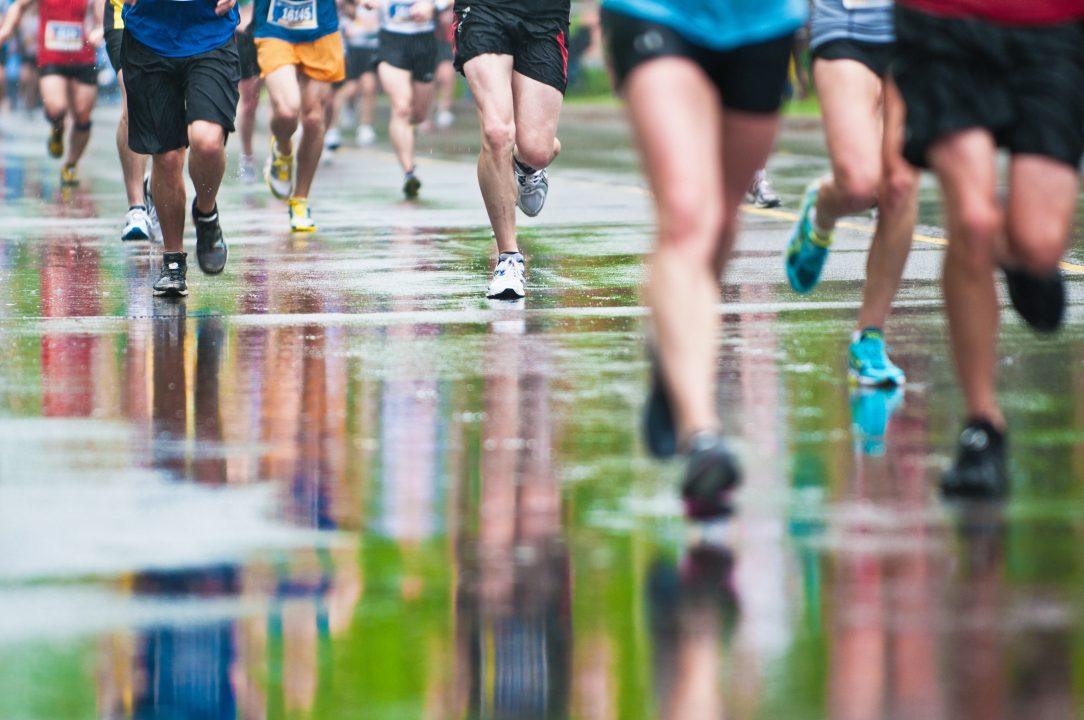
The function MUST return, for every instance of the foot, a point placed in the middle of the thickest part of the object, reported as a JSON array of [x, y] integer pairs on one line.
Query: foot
[[152, 212], [171, 282], [366, 135], [532, 186], [333, 139], [508, 278], [660, 435], [279, 173], [980, 470], [444, 119], [56, 141], [871, 409], [808, 248], [211, 250], [761, 193], [869, 365], [69, 176], [137, 224], [411, 185], [246, 169], [1039, 300], [711, 475], [300, 217]]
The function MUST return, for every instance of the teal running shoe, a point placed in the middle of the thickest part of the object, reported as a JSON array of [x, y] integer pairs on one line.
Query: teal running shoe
[[807, 250], [871, 409], [869, 365]]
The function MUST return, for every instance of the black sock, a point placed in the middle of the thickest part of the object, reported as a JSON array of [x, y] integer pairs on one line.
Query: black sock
[[523, 168], [200, 215], [514, 254], [137, 207], [997, 437]]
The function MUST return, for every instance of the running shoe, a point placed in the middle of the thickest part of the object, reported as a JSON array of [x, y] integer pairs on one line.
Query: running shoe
[[171, 282], [56, 141], [333, 139], [279, 173], [211, 250], [444, 119], [69, 176], [137, 224], [869, 365], [980, 471], [660, 434], [365, 135], [411, 185], [152, 212], [1039, 300], [300, 217], [532, 187], [871, 409], [808, 249], [246, 170], [508, 278], [761, 193], [711, 475]]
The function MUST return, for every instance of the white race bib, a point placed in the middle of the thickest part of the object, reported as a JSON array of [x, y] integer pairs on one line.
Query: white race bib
[[293, 14], [63, 36]]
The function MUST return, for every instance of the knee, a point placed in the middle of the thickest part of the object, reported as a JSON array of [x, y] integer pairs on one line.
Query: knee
[[205, 141], [898, 188], [401, 111], [314, 120], [1038, 246], [498, 135], [975, 235], [170, 164], [418, 116], [858, 186], [690, 228], [82, 120], [286, 111]]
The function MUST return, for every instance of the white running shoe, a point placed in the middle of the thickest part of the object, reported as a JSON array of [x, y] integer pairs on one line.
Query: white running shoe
[[137, 225], [444, 119], [152, 212], [333, 139], [366, 135], [532, 190], [246, 170], [508, 280]]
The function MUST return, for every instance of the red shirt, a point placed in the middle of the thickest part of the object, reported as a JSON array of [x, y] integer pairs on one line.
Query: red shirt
[[1008, 12], [62, 33]]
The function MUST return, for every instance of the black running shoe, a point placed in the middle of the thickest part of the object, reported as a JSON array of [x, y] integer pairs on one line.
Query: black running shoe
[[710, 477], [211, 250], [411, 185], [171, 283], [1040, 300], [980, 471], [659, 432]]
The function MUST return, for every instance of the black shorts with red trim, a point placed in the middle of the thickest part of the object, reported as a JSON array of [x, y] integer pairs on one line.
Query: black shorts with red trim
[[539, 47]]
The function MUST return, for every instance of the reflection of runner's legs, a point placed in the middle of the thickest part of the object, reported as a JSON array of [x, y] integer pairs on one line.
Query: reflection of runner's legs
[[250, 100]]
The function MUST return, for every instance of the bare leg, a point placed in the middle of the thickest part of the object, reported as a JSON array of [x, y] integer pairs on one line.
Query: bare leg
[[133, 165], [1042, 200], [897, 205], [366, 98], [965, 164], [490, 79], [83, 98], [400, 89], [207, 165], [445, 86], [422, 101], [315, 96], [167, 185], [284, 90], [246, 116], [343, 95], [538, 110], [54, 97]]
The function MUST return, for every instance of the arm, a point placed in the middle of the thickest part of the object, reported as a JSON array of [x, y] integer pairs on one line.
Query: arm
[[422, 11], [95, 30], [224, 6], [12, 18]]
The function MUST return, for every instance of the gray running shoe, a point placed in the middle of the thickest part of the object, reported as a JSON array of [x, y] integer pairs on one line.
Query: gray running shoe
[[532, 190]]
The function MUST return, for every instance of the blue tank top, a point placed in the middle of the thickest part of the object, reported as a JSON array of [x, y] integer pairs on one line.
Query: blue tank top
[[719, 24], [867, 21], [179, 28], [295, 21]]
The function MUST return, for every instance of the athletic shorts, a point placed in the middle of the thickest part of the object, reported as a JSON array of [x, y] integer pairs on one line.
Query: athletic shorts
[[166, 95], [416, 52], [323, 60], [114, 36], [1025, 85], [539, 48], [751, 78], [875, 56], [360, 60], [83, 74], [246, 52]]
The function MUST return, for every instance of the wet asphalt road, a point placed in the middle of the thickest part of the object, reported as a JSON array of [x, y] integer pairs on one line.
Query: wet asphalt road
[[337, 482]]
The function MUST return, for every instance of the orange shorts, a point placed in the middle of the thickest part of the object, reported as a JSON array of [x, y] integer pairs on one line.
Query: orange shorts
[[322, 60]]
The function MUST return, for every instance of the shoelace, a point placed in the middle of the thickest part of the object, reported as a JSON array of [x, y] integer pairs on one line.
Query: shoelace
[[509, 265], [532, 180], [173, 272]]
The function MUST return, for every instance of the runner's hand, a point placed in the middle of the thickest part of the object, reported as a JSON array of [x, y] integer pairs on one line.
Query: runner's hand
[[422, 11], [224, 6], [96, 36]]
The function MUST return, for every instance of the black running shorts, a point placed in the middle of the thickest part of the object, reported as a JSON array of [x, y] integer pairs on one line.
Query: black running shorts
[[751, 78], [82, 74], [1023, 84], [360, 60], [875, 56], [166, 95], [247, 54], [538, 46], [416, 52], [114, 36]]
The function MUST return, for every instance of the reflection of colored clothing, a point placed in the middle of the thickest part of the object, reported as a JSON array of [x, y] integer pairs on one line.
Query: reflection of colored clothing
[[1010, 12], [718, 24], [175, 29], [295, 21], [323, 60], [62, 36]]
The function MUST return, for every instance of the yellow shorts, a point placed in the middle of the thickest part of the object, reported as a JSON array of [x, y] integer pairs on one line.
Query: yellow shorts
[[323, 60]]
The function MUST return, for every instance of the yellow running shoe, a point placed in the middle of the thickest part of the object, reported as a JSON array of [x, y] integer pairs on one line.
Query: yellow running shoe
[[56, 141], [300, 217], [69, 177], [279, 173]]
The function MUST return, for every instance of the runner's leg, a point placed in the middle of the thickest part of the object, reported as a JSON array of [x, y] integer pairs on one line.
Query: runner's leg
[[167, 186], [54, 97], [400, 89], [207, 164], [83, 98], [366, 99], [537, 112], [489, 77], [315, 96], [1042, 202], [246, 117], [284, 91]]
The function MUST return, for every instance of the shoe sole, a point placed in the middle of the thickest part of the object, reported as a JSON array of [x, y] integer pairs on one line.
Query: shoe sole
[[508, 294], [170, 293], [304, 231], [865, 382], [135, 237], [412, 188], [212, 271]]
